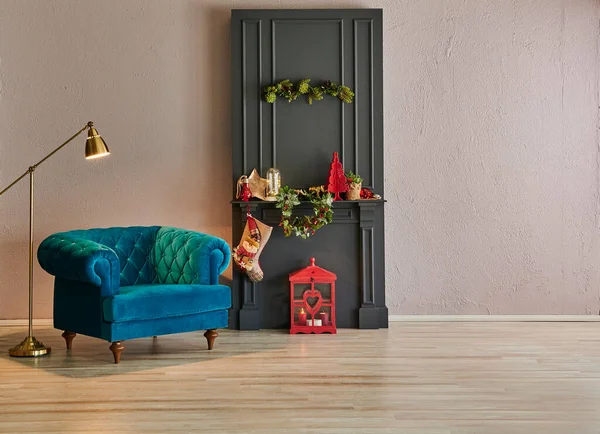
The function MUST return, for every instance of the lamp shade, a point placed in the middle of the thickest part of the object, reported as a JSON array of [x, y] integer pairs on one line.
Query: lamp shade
[[95, 147]]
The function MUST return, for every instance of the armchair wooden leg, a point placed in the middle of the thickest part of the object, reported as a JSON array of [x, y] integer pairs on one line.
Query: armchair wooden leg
[[210, 336], [69, 338], [117, 348]]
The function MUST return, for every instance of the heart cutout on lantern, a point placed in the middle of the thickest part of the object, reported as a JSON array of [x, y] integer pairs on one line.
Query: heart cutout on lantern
[[312, 301]]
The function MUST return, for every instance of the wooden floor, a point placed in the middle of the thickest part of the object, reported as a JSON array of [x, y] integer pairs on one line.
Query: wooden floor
[[413, 378]]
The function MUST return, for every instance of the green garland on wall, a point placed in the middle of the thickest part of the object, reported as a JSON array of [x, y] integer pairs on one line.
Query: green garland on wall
[[290, 91]]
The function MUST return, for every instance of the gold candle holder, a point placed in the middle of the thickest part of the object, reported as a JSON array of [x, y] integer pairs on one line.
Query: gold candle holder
[[273, 184]]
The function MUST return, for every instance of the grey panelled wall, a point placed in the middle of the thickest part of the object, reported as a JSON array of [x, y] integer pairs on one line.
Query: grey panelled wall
[[344, 46]]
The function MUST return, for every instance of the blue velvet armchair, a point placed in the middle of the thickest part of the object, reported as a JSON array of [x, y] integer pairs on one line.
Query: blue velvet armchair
[[125, 283]]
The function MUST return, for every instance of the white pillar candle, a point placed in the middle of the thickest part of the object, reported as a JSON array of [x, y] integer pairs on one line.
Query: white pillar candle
[[318, 322], [309, 322]]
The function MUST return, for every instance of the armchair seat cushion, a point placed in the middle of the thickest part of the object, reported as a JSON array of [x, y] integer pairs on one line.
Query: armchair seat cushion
[[155, 301]]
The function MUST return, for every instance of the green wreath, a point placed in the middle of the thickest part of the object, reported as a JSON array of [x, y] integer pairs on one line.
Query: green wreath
[[304, 226], [290, 91]]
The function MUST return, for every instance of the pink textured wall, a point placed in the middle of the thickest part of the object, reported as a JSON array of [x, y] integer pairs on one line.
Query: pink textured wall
[[491, 140]]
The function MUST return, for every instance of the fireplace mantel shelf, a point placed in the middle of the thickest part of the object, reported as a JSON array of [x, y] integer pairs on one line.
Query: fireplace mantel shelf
[[306, 202]]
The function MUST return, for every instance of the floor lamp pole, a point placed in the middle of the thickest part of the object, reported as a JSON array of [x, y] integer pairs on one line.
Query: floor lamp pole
[[31, 172], [30, 347]]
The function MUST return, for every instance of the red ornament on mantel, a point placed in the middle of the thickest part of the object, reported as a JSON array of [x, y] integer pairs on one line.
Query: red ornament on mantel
[[337, 182], [312, 300], [243, 191]]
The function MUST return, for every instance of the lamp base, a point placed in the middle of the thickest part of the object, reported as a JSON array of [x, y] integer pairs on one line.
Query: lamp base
[[30, 347]]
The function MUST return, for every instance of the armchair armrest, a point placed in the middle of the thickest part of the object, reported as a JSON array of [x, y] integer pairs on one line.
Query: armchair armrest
[[75, 258], [183, 256]]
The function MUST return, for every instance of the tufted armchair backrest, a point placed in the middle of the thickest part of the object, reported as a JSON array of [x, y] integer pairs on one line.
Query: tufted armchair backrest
[[133, 246], [176, 256]]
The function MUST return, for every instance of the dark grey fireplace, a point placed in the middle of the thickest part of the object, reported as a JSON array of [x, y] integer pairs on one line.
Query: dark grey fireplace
[[344, 46]]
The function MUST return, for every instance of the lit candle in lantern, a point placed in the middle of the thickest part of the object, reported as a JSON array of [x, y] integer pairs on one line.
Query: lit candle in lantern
[[302, 317]]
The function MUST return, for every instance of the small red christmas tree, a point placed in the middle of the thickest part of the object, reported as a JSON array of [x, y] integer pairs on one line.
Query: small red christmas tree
[[337, 182]]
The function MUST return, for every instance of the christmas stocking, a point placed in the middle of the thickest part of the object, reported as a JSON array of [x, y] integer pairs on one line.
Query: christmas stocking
[[246, 254]]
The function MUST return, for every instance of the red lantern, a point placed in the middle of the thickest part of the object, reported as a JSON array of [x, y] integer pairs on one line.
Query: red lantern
[[312, 300]]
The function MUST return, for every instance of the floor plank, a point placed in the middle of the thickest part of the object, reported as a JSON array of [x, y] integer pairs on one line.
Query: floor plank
[[413, 378]]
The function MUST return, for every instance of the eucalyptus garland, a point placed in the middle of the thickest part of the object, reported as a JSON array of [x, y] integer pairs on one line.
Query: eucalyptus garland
[[290, 91], [304, 226]]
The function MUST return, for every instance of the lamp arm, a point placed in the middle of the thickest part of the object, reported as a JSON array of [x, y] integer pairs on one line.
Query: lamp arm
[[32, 168]]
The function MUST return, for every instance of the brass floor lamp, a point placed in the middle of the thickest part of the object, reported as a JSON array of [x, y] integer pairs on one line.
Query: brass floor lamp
[[95, 147]]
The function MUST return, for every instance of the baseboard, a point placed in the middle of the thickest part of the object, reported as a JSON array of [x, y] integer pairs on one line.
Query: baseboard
[[494, 318], [407, 318], [25, 322]]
